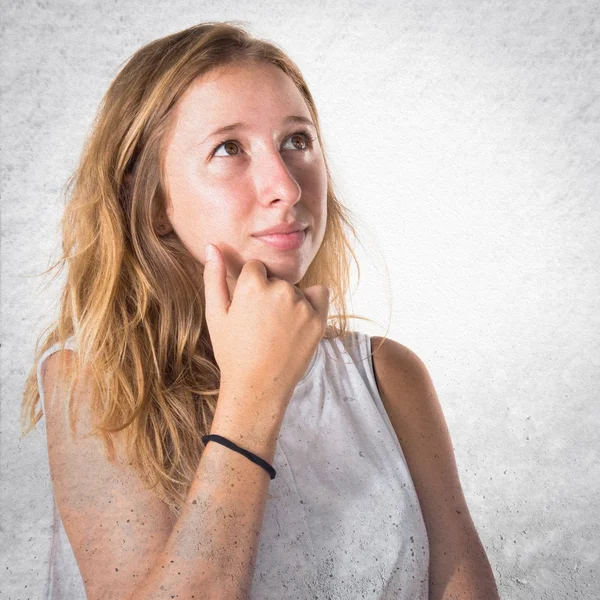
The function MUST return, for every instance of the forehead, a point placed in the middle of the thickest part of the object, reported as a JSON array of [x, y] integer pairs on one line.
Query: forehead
[[241, 92]]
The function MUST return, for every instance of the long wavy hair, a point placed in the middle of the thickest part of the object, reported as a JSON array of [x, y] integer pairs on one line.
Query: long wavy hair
[[131, 300]]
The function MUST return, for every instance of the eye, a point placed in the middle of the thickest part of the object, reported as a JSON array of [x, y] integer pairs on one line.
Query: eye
[[228, 145], [301, 140]]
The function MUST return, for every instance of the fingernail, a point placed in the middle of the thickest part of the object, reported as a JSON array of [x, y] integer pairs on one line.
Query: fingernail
[[209, 252]]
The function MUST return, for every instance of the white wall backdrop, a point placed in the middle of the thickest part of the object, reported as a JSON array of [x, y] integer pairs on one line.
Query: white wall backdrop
[[465, 137]]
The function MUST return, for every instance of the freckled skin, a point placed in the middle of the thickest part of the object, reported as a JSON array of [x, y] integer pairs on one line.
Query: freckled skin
[[211, 549], [265, 180]]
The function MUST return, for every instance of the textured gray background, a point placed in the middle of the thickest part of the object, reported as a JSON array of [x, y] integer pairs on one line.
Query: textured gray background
[[465, 136]]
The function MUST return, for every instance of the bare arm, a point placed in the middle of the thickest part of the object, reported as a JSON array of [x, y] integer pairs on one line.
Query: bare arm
[[125, 541], [458, 565]]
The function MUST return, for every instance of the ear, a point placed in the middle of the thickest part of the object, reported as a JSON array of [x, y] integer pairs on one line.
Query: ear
[[163, 226], [160, 214]]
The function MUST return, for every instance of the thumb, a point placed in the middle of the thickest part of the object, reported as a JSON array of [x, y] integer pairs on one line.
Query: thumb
[[319, 296], [216, 291]]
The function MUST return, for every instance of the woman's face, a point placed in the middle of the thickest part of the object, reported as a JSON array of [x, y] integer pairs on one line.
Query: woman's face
[[265, 175]]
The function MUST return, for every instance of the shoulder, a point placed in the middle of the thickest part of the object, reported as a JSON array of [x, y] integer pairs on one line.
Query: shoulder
[[411, 402], [58, 370], [457, 556], [58, 364], [404, 383], [410, 399], [386, 349], [100, 500], [61, 379]]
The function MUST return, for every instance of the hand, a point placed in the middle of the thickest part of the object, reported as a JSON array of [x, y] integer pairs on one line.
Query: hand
[[266, 332]]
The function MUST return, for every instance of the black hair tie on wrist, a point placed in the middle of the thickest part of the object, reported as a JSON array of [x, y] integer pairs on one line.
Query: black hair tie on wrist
[[249, 455]]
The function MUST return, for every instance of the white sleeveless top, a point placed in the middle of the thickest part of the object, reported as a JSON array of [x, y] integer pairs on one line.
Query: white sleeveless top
[[342, 520]]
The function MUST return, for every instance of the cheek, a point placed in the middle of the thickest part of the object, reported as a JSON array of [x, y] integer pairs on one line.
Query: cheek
[[320, 177], [319, 190], [312, 177], [198, 196]]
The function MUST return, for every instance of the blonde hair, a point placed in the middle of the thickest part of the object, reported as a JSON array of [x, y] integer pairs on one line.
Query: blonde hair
[[130, 298]]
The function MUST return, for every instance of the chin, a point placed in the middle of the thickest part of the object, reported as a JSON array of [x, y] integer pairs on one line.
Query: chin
[[292, 274]]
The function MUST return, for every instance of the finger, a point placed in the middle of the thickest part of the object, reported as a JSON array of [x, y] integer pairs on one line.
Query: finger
[[318, 296], [231, 284], [299, 291], [216, 291], [254, 268]]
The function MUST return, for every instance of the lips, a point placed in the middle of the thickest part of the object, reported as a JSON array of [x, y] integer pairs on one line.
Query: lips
[[284, 241], [282, 228]]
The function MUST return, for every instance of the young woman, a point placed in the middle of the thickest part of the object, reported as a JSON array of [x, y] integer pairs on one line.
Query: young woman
[[331, 472]]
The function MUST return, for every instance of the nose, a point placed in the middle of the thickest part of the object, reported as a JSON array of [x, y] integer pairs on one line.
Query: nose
[[273, 181]]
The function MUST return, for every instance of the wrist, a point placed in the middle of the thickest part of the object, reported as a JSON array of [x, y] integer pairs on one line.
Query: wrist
[[252, 421]]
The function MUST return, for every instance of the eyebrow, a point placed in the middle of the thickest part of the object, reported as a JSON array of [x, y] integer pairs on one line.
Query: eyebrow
[[240, 125]]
